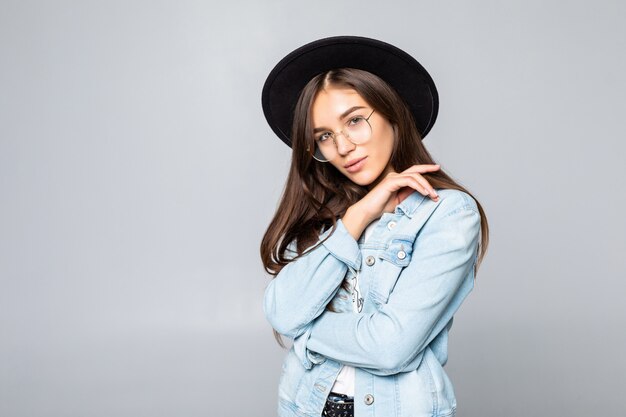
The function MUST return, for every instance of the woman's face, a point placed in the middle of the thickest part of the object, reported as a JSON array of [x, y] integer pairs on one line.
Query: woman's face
[[331, 109]]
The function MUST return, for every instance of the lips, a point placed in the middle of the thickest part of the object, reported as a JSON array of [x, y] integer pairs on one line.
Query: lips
[[354, 161], [357, 165]]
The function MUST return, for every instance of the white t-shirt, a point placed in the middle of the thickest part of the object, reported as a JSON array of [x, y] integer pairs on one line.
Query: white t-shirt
[[344, 384]]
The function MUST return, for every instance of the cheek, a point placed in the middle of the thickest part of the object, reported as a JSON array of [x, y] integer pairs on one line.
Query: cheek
[[384, 150], [335, 164]]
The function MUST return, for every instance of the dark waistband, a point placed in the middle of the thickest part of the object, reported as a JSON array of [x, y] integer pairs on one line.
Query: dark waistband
[[338, 405], [335, 397]]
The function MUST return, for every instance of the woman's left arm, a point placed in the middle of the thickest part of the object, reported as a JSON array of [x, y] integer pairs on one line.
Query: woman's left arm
[[427, 294]]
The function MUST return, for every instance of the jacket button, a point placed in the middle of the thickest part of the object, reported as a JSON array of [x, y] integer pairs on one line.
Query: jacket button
[[401, 254], [391, 225], [369, 399], [370, 260]]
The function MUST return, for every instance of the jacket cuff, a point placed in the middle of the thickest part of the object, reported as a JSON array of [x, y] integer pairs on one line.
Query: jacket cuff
[[307, 358], [342, 246]]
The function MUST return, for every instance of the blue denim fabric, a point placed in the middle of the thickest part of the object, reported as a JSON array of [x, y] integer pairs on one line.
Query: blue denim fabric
[[424, 257]]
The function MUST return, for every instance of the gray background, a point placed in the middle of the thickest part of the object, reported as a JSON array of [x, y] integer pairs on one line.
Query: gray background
[[137, 176]]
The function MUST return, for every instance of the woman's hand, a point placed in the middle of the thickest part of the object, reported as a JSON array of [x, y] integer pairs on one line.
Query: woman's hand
[[386, 195]]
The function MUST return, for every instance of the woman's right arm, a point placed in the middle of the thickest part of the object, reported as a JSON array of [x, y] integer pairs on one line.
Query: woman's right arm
[[303, 288]]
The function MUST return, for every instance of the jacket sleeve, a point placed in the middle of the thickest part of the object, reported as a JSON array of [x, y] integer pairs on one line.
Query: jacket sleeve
[[303, 288], [428, 292]]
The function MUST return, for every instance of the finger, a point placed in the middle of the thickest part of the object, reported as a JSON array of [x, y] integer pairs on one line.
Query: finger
[[426, 184], [412, 181], [422, 168], [403, 193], [429, 190]]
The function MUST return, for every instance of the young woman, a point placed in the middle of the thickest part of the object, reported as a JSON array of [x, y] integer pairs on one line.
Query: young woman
[[373, 247]]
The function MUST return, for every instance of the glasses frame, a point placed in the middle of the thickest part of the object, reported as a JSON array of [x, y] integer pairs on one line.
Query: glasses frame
[[334, 136]]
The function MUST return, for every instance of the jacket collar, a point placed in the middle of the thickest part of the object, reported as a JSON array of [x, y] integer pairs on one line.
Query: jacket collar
[[409, 205]]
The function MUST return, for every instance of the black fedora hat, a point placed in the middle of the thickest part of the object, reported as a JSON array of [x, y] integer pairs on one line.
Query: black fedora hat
[[399, 69]]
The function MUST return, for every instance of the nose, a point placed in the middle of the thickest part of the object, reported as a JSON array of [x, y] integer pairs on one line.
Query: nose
[[344, 145]]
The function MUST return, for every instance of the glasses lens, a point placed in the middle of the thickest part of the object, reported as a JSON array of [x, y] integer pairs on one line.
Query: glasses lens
[[358, 130], [325, 153]]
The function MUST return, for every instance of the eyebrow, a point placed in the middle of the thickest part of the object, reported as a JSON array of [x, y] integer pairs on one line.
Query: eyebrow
[[344, 114]]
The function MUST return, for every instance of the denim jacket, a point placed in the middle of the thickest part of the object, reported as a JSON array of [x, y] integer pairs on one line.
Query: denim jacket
[[415, 270]]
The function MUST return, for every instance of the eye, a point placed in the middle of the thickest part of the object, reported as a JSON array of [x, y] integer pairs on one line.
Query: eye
[[355, 120], [323, 137]]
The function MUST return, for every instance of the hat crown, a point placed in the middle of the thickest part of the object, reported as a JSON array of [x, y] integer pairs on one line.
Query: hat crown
[[400, 70]]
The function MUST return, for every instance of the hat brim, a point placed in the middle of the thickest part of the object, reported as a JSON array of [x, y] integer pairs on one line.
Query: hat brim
[[400, 70]]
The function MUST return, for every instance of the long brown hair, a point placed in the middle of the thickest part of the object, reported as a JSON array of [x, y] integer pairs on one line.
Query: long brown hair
[[316, 194]]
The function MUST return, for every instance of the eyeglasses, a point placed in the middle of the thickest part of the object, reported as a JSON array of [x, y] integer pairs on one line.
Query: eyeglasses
[[357, 130]]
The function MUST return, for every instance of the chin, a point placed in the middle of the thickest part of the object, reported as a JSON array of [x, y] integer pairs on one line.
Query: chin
[[361, 178]]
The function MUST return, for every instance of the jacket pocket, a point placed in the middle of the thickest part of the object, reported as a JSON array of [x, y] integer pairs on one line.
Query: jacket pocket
[[392, 262]]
